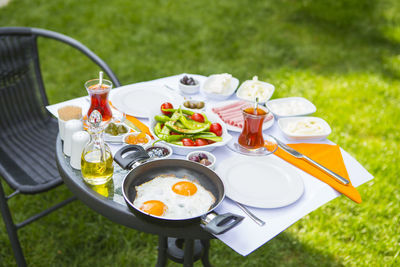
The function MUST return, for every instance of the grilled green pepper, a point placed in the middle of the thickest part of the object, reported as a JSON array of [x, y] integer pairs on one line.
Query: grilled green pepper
[[162, 118], [193, 125], [157, 128], [184, 111], [177, 129]]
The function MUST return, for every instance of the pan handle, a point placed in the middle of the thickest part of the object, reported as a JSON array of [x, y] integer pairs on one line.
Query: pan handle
[[220, 223], [128, 155]]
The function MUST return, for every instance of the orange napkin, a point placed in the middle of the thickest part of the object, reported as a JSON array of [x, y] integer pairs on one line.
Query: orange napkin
[[142, 127], [328, 156]]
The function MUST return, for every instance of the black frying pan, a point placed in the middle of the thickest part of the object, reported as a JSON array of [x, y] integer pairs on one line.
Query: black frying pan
[[135, 158]]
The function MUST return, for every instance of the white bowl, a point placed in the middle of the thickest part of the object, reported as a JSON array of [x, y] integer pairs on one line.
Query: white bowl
[[290, 122], [296, 106], [230, 91], [158, 144], [116, 138], [189, 89], [136, 133], [267, 86], [210, 157], [184, 150]]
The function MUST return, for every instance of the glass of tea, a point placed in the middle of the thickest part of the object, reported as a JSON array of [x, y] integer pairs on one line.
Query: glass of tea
[[252, 135], [99, 98]]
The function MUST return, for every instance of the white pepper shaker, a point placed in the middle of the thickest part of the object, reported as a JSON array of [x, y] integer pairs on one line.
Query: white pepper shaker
[[79, 141], [71, 127]]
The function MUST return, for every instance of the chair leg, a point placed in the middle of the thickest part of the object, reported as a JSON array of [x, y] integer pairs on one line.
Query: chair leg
[[11, 229]]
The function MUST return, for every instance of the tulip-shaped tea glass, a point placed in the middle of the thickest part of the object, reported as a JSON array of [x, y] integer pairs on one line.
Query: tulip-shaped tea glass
[[252, 135], [251, 141], [99, 98]]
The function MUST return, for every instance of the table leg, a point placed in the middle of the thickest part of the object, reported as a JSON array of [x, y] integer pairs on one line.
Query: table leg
[[189, 252], [162, 251], [206, 248]]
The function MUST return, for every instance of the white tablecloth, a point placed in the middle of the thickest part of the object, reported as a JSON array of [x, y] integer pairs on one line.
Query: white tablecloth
[[247, 237]]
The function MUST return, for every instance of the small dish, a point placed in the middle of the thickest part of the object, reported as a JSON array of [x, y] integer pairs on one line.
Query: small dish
[[202, 155], [115, 138], [135, 134], [304, 128], [212, 79], [156, 154], [251, 89], [291, 106], [189, 88], [270, 146], [195, 105]]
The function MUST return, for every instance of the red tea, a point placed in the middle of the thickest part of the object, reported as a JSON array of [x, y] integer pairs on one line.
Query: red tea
[[252, 136], [99, 101]]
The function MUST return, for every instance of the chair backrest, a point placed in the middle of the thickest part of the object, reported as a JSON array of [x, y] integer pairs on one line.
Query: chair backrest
[[22, 93]]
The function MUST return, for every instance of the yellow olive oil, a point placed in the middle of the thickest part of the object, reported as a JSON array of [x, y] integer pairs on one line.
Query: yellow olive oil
[[96, 170]]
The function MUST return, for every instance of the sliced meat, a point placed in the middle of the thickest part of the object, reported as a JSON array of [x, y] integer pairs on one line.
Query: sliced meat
[[232, 105]]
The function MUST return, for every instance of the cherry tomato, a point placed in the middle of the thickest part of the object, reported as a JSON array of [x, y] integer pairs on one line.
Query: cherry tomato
[[197, 117], [201, 142], [210, 141], [174, 133], [166, 105], [216, 128], [188, 142]]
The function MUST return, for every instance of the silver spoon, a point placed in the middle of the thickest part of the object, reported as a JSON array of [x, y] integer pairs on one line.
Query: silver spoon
[[255, 106], [250, 214]]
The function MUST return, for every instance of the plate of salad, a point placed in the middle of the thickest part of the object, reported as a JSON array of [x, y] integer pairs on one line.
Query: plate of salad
[[186, 130]]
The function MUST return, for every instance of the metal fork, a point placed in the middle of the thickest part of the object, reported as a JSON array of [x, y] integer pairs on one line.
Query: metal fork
[[250, 214]]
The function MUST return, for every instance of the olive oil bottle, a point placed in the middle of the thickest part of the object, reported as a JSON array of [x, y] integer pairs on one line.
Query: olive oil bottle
[[97, 161]]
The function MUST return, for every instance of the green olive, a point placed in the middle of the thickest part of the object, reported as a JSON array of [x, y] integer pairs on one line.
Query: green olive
[[200, 104], [121, 129]]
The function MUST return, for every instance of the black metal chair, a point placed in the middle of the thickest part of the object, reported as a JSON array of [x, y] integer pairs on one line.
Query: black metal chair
[[27, 131]]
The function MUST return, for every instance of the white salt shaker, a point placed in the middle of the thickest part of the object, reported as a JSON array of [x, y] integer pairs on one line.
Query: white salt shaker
[[79, 141], [61, 127], [71, 127]]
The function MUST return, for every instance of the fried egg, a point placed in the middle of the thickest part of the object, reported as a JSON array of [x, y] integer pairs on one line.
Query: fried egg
[[171, 197]]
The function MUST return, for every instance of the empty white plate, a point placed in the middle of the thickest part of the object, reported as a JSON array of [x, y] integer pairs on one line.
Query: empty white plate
[[262, 182], [137, 100]]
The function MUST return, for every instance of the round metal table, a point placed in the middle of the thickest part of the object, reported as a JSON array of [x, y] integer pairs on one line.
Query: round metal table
[[108, 201]]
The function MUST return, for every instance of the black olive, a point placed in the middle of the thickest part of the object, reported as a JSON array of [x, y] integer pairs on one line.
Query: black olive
[[188, 80]]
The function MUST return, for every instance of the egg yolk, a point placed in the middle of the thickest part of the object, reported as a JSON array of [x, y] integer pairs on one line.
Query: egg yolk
[[184, 188], [154, 207]]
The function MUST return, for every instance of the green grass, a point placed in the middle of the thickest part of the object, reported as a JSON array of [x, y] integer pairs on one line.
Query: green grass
[[342, 55]]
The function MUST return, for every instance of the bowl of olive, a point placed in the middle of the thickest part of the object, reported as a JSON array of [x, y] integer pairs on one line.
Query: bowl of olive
[[194, 104], [189, 85], [115, 131]]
